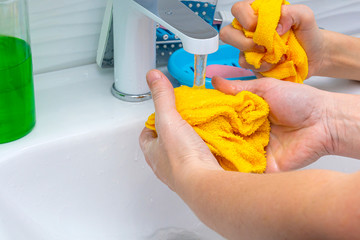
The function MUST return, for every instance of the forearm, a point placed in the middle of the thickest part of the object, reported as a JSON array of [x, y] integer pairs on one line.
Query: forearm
[[308, 204], [341, 58], [344, 124]]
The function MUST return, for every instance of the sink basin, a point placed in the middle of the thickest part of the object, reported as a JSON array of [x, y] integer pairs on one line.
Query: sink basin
[[92, 186], [80, 174]]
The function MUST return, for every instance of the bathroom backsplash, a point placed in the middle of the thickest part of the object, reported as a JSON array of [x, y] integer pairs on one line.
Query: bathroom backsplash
[[64, 33], [336, 15]]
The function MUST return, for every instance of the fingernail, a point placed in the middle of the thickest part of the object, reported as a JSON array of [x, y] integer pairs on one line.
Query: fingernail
[[152, 76], [279, 29], [260, 49]]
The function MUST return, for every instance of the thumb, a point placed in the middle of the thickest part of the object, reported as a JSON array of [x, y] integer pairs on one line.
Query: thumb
[[164, 100], [297, 17], [257, 86], [162, 91]]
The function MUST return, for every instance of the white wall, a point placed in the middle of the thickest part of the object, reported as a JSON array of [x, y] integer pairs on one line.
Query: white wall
[[336, 15], [64, 33]]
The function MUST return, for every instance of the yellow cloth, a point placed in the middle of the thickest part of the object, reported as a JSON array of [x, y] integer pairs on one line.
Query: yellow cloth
[[295, 68], [235, 128]]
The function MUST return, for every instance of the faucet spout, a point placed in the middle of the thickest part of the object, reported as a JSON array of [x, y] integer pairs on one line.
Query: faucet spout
[[135, 39]]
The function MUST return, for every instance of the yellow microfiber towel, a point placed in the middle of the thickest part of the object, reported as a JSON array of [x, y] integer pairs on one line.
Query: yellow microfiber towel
[[295, 67], [235, 128]]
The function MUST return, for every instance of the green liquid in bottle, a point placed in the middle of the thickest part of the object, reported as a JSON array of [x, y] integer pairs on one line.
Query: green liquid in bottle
[[17, 104]]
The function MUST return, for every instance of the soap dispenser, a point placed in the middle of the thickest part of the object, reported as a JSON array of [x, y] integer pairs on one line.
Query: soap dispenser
[[17, 103]]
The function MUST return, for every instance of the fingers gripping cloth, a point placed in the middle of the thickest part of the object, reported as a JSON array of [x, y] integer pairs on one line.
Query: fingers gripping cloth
[[295, 67], [235, 128]]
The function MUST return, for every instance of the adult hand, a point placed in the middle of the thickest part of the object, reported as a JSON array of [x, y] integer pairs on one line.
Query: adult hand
[[240, 204], [300, 131], [175, 151], [300, 18]]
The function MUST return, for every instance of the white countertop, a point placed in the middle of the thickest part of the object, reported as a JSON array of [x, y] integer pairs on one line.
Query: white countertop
[[73, 102]]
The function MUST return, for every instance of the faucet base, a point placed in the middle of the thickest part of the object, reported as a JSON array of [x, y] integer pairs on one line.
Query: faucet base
[[130, 97]]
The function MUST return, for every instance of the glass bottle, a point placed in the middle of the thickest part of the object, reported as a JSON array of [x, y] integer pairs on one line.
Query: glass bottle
[[17, 103]]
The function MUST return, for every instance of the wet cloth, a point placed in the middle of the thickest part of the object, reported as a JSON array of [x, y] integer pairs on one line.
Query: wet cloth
[[235, 128], [295, 67]]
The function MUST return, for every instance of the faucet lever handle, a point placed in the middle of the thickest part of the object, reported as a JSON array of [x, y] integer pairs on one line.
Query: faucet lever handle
[[198, 36]]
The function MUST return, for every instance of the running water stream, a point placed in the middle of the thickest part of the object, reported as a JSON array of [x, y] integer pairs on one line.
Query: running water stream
[[199, 71]]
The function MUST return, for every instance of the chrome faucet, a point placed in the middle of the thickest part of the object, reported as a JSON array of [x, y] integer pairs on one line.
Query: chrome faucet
[[135, 39]]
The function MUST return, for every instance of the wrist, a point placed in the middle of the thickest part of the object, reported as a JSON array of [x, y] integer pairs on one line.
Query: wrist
[[188, 173], [343, 118], [339, 56], [325, 62]]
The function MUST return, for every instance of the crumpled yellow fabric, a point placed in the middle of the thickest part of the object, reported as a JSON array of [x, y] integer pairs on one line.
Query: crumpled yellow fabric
[[235, 128], [295, 67]]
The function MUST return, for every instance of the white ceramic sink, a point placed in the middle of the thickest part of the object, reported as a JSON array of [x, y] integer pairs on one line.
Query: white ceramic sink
[[92, 186], [80, 175]]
